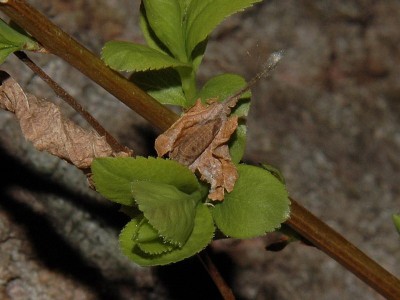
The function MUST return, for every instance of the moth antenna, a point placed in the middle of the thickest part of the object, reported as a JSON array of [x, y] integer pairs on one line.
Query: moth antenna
[[266, 71]]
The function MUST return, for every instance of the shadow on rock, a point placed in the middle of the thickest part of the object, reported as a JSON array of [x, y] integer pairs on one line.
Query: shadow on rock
[[189, 280], [16, 174]]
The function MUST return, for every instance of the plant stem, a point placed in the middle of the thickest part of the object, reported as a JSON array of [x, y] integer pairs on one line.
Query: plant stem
[[344, 252], [60, 92], [61, 44], [302, 221], [188, 78], [212, 270]]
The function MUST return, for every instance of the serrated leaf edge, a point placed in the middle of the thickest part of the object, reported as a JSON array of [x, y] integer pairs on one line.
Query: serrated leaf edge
[[157, 256], [176, 64]]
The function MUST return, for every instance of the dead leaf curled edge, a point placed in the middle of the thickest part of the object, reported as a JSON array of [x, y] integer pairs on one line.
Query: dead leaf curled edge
[[42, 124]]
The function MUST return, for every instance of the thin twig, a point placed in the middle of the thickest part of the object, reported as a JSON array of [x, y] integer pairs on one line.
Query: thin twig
[[215, 275], [60, 92]]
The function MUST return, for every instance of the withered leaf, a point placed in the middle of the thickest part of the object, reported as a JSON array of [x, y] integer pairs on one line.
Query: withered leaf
[[43, 124], [199, 140]]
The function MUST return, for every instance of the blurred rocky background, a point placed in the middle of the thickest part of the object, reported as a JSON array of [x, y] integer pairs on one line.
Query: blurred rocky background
[[328, 119]]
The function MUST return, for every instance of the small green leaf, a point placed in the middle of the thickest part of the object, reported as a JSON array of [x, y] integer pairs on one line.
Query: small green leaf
[[164, 85], [145, 232], [113, 177], [170, 211], [126, 56], [165, 18], [258, 204], [200, 237], [6, 50], [237, 143], [11, 40], [156, 247], [149, 241], [396, 221], [224, 85], [204, 15], [12, 37]]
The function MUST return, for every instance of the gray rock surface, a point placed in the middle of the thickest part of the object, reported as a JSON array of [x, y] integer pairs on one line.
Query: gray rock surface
[[328, 118]]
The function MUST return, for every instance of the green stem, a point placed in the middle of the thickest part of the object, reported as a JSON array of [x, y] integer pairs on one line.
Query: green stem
[[188, 78], [59, 43]]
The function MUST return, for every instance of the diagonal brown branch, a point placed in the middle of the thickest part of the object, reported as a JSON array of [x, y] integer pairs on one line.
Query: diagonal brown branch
[[62, 45]]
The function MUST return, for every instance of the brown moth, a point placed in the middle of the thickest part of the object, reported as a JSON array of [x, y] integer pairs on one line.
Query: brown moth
[[188, 149], [198, 139]]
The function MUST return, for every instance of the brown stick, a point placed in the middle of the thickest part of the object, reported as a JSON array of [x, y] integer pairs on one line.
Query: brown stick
[[219, 281], [61, 44], [344, 252], [60, 92]]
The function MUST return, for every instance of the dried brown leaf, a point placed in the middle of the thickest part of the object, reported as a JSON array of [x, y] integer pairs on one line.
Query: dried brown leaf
[[43, 124]]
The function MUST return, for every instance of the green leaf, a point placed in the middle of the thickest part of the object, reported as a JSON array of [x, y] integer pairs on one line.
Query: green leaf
[[200, 237], [151, 39], [164, 85], [237, 143], [396, 221], [170, 211], [184, 4], [258, 204], [11, 40], [12, 37], [6, 50], [274, 171], [156, 247], [145, 232], [224, 85], [126, 56], [149, 241], [165, 18], [113, 177], [204, 15]]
